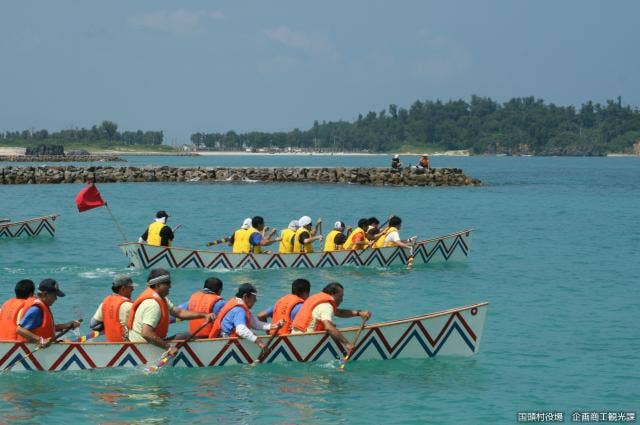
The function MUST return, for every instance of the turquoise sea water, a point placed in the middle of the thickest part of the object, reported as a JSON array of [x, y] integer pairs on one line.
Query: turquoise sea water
[[555, 251]]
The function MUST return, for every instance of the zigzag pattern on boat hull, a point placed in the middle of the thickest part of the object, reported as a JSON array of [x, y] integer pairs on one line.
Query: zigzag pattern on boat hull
[[29, 228]]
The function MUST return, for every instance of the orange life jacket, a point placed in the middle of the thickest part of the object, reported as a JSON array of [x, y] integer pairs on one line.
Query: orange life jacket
[[282, 311], [47, 328], [11, 311], [162, 327], [303, 318], [113, 329], [216, 329], [201, 302]]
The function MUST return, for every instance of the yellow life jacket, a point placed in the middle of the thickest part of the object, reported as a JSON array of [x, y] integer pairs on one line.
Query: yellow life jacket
[[349, 243], [380, 242], [241, 241], [285, 244], [153, 233], [330, 244], [297, 246], [257, 249]]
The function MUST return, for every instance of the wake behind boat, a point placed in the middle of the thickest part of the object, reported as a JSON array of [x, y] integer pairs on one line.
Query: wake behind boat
[[451, 247], [44, 225], [456, 331]]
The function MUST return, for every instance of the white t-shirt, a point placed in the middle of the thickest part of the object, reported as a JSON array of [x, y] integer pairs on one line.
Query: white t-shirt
[[392, 238], [148, 313], [323, 311]]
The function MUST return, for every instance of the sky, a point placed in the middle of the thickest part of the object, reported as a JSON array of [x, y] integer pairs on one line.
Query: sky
[[206, 66]]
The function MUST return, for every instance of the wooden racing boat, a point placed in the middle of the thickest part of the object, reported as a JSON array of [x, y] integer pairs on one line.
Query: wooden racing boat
[[456, 331], [32, 227], [452, 247]]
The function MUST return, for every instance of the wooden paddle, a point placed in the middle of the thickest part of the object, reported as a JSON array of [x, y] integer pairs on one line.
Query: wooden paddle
[[42, 347], [267, 349], [165, 356], [353, 345], [219, 241]]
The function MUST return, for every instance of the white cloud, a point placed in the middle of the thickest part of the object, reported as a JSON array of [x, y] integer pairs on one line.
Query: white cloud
[[177, 22], [440, 57], [316, 46]]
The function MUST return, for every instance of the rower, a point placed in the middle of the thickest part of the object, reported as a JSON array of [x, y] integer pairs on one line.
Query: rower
[[235, 318], [287, 307], [391, 236], [304, 237], [336, 238], [206, 300], [257, 238], [240, 237], [158, 233], [12, 309], [356, 239], [37, 324], [286, 237], [318, 310], [149, 317], [112, 314]]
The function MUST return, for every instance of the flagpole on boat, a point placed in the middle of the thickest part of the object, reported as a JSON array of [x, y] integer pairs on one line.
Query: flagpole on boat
[[115, 220]]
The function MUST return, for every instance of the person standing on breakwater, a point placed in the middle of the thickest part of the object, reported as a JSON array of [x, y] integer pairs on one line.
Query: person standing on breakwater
[[423, 163], [304, 237], [37, 324], [112, 314], [395, 163], [158, 233], [12, 310], [317, 311], [149, 317]]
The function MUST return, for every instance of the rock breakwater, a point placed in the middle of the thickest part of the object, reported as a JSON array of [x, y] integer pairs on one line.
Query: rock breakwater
[[60, 158], [364, 176]]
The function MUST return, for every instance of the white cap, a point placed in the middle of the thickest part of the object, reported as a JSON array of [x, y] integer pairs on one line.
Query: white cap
[[304, 221], [246, 223], [338, 225], [293, 225], [396, 156]]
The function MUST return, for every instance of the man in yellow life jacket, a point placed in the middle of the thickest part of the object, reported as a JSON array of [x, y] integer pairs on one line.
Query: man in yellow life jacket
[[336, 238], [112, 315], [317, 311], [37, 324], [149, 317], [239, 239], [287, 307], [391, 236], [286, 237], [158, 233], [12, 310], [357, 238], [305, 236]]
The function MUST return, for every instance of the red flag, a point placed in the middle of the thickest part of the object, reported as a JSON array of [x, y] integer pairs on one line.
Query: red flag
[[89, 198]]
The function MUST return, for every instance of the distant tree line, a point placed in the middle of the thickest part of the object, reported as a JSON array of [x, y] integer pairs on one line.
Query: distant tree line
[[520, 126], [106, 134]]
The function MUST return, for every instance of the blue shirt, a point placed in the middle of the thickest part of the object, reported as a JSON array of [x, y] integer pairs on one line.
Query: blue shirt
[[236, 316], [32, 318], [255, 239]]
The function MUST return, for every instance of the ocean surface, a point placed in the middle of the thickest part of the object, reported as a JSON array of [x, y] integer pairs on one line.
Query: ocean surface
[[556, 252]]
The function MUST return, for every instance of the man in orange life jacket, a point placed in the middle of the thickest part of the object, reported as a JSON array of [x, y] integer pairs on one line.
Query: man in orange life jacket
[[318, 310], [112, 314], [158, 233], [287, 307], [149, 317], [37, 324], [12, 311], [235, 319], [207, 300]]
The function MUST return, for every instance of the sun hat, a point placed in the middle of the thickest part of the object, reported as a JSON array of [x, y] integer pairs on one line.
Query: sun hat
[[305, 220], [123, 280], [246, 223]]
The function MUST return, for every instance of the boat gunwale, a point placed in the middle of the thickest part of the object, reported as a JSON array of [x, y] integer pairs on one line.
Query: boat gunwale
[[12, 223]]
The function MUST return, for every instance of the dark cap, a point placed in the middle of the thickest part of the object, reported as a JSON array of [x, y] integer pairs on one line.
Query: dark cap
[[50, 286], [161, 214], [123, 280], [246, 288]]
